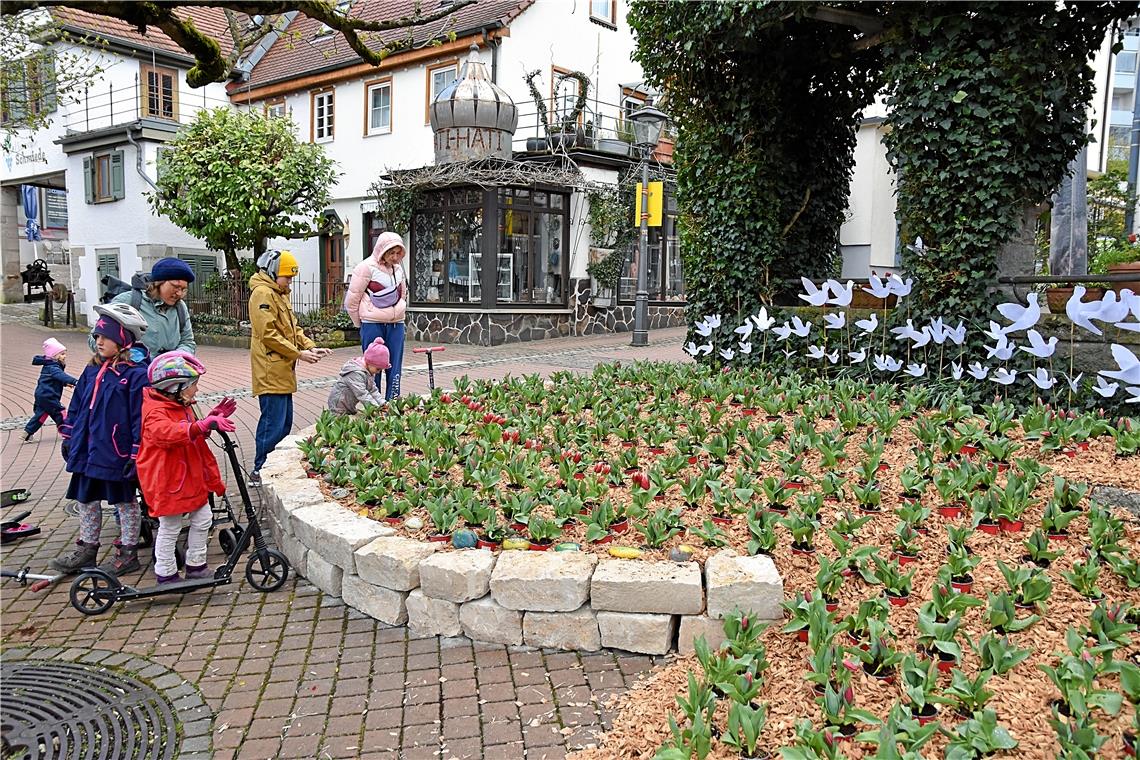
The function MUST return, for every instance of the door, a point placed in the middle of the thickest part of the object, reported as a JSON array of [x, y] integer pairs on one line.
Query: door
[[332, 269]]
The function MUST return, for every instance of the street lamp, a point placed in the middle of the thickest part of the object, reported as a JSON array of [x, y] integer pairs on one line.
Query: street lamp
[[647, 125]]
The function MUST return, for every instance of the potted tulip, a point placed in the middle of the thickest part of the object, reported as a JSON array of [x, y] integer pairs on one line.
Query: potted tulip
[[896, 583], [920, 685]]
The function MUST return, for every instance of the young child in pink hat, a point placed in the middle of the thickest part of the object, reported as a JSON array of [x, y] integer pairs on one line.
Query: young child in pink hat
[[49, 389], [357, 381]]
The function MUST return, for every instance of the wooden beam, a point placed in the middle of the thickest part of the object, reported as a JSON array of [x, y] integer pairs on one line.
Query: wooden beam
[[861, 21]]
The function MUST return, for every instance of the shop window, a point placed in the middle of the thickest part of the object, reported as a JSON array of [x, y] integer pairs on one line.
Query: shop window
[[665, 279], [103, 179], [159, 93], [447, 246], [533, 239]]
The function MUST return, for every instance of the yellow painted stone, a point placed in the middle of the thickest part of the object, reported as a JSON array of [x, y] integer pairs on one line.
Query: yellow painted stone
[[625, 552], [516, 543]]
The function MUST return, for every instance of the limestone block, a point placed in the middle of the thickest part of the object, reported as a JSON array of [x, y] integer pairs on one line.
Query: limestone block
[[432, 617], [486, 620], [283, 464], [543, 581], [457, 576], [671, 588], [335, 532], [383, 604], [751, 584], [393, 562], [576, 631], [637, 631], [323, 574], [695, 626], [296, 553], [296, 495]]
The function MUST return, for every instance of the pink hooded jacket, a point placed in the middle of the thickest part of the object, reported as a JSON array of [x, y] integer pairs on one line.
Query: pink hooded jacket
[[358, 303]]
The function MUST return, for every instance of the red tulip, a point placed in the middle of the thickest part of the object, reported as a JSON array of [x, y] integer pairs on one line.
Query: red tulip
[[445, 398]]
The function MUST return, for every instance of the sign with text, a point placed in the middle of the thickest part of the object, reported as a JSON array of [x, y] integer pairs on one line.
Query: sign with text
[[656, 196], [55, 208]]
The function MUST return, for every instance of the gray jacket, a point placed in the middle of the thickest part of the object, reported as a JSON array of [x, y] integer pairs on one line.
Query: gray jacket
[[354, 386]]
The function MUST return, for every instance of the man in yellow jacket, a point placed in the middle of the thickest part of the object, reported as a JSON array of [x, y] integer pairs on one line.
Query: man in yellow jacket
[[277, 343]]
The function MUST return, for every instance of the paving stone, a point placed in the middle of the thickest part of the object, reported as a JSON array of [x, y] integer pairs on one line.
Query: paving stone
[[486, 620], [693, 627], [393, 561], [637, 631], [383, 604], [577, 630], [751, 584], [662, 587], [428, 616], [543, 581], [336, 533], [457, 576], [322, 574]]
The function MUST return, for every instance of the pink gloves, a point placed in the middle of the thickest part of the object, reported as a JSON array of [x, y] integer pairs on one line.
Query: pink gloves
[[212, 422], [224, 408]]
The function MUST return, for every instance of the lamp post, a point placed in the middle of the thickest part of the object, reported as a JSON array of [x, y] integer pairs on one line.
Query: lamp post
[[647, 125]]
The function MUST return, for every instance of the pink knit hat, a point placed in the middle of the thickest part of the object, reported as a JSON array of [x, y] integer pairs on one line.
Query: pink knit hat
[[386, 242], [53, 348], [377, 354]]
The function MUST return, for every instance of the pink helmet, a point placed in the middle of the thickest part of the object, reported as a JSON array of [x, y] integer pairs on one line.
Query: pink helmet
[[174, 370]]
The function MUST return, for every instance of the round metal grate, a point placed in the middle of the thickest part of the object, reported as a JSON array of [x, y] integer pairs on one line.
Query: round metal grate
[[72, 710]]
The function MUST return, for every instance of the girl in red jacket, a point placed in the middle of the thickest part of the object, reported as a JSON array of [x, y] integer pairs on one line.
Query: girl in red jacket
[[177, 470]]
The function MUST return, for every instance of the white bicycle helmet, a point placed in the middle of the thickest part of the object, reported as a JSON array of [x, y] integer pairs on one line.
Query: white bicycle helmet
[[126, 315]]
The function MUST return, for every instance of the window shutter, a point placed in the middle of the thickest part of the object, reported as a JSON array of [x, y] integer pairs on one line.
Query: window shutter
[[118, 188], [47, 82], [89, 179]]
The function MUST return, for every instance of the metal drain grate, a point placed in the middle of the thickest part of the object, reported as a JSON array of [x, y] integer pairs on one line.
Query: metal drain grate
[[72, 710]]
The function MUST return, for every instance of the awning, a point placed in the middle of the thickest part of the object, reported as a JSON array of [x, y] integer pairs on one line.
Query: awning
[[369, 206]]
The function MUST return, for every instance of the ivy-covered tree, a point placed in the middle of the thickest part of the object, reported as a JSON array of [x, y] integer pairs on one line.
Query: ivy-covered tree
[[238, 178], [250, 21]]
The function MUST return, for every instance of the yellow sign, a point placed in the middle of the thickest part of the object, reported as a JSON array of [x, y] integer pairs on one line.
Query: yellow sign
[[656, 198]]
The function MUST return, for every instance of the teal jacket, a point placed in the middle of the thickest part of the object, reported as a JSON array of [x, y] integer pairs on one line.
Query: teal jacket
[[163, 330]]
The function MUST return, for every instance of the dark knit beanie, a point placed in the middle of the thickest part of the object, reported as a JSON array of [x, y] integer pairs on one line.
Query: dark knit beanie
[[171, 269]]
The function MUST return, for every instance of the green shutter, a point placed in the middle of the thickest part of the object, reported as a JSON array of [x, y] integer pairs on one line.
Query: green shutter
[[89, 179], [108, 264], [118, 188], [47, 82], [203, 267]]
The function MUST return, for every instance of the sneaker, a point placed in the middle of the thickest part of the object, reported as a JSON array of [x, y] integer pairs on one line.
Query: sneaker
[[197, 572], [83, 556], [162, 580], [254, 479], [28, 437]]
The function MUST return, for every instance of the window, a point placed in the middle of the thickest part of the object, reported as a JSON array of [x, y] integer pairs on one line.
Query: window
[[103, 177], [447, 247], [378, 107], [604, 12], [665, 279], [565, 95], [107, 262], [159, 93], [322, 116], [439, 76], [533, 239], [28, 88], [1119, 143], [275, 109], [1126, 62], [204, 268]]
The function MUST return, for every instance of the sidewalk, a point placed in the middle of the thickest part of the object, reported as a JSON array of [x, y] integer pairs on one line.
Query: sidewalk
[[296, 674]]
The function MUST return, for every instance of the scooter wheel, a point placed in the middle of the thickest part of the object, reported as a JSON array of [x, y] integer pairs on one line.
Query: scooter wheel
[[146, 535], [93, 592], [228, 539], [267, 570]]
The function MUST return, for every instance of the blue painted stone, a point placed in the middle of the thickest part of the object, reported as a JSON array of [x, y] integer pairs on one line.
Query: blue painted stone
[[567, 546], [464, 539]]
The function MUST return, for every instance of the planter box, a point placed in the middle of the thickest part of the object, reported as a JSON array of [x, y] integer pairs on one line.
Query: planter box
[[614, 146], [1131, 267]]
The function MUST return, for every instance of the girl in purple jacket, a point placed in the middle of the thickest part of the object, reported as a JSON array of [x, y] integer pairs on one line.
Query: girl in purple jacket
[[101, 438]]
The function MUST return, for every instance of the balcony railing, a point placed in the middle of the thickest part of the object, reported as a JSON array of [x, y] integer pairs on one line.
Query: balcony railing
[[103, 107], [604, 127]]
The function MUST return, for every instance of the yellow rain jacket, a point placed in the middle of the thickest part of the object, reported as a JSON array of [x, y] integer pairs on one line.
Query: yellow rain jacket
[[277, 338]]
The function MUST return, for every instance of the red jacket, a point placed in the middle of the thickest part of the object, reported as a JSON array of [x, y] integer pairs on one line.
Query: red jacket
[[177, 469]]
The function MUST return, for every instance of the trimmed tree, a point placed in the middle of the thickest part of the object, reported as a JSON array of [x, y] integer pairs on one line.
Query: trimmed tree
[[237, 178]]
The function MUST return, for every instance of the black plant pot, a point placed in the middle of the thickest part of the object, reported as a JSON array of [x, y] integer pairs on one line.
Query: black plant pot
[[536, 144]]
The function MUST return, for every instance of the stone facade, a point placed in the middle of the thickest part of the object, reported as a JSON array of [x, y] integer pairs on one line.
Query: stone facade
[[563, 600]]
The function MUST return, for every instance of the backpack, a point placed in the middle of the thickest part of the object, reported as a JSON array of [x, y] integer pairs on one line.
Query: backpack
[[140, 282]]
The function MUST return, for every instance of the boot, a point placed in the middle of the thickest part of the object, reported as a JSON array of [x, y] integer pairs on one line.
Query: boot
[[125, 560], [197, 572], [82, 556]]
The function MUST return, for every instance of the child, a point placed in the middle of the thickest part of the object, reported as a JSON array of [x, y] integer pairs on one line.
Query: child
[[49, 390], [177, 470], [101, 438], [357, 382]]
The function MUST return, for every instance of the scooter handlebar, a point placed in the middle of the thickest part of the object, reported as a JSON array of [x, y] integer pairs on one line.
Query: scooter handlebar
[[427, 350]]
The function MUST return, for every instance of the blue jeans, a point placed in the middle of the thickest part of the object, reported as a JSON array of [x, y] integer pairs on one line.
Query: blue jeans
[[274, 424], [393, 335]]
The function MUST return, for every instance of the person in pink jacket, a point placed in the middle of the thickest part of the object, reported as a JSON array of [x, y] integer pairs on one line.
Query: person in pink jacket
[[377, 301]]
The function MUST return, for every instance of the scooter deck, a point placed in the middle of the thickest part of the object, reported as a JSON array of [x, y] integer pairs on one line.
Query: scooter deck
[[130, 592]]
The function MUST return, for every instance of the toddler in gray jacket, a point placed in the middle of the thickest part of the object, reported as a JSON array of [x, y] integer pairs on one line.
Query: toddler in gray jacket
[[357, 384]]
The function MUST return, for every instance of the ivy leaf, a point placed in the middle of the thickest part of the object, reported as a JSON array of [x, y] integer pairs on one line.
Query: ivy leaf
[[958, 96]]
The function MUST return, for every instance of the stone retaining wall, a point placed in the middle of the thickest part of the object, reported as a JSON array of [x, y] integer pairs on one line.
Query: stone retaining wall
[[561, 600]]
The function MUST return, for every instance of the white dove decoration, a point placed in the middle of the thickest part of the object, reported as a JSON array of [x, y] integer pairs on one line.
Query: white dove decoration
[[995, 332], [1038, 346], [704, 329], [868, 325], [1042, 379], [833, 357], [906, 332], [1129, 372], [813, 295], [1021, 317], [745, 329], [1133, 394], [745, 347], [887, 363], [878, 288], [783, 332], [762, 321], [815, 352], [835, 321], [857, 357], [900, 287], [713, 321], [727, 353], [978, 372], [1112, 310], [1079, 313], [937, 331], [957, 335], [915, 370], [840, 294], [1105, 390], [800, 328], [1002, 351], [956, 370], [1074, 382], [1003, 376], [692, 349]]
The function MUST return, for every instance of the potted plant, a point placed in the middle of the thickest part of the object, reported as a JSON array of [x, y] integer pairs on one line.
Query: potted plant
[[542, 532], [803, 530], [880, 658], [998, 655], [978, 737], [905, 544], [894, 581], [1122, 257], [920, 684], [1055, 521], [1037, 550], [745, 724], [938, 640], [1001, 615], [968, 695], [840, 716], [1030, 586]]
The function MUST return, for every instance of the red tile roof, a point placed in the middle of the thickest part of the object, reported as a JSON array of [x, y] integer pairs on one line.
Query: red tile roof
[[299, 51], [209, 21]]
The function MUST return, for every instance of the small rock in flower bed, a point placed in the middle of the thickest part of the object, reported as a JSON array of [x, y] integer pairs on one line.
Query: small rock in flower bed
[[464, 539], [339, 493], [414, 523], [682, 553], [516, 543]]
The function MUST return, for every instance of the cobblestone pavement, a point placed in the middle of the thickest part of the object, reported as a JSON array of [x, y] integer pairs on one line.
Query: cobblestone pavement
[[295, 673]]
